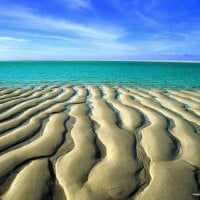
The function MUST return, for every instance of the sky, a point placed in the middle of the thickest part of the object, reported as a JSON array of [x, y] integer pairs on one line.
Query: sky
[[99, 29]]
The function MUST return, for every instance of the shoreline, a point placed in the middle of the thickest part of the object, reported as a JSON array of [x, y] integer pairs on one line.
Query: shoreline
[[61, 84]]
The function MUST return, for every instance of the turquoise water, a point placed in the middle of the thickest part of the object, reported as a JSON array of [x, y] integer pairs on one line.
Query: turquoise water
[[135, 74]]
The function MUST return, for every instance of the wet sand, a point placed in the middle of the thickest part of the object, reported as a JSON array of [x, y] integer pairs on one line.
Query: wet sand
[[99, 143]]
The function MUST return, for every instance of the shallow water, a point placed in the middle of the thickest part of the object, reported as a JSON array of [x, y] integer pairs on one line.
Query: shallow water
[[135, 74]]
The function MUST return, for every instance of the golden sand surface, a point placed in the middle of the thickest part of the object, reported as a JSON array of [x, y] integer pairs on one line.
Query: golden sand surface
[[99, 143]]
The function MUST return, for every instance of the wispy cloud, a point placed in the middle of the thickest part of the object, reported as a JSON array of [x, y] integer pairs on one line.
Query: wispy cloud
[[77, 4], [21, 18], [53, 35], [12, 39], [140, 30], [147, 20], [139, 11]]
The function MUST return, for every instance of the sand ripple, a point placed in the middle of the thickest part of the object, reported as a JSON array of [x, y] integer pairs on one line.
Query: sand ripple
[[96, 143]]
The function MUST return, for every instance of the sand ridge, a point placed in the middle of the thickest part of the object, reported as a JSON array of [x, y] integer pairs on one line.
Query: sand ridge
[[96, 143]]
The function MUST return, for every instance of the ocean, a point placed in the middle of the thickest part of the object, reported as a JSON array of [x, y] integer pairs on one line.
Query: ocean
[[169, 75]]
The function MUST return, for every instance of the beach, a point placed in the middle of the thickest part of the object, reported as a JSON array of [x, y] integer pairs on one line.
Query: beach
[[88, 142], [99, 100]]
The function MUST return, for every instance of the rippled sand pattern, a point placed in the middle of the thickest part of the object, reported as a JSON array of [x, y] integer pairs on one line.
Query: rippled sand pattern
[[99, 143]]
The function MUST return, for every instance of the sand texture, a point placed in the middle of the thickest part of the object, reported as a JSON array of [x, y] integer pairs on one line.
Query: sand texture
[[99, 143]]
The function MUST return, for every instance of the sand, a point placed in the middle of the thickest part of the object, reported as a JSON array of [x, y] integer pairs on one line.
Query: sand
[[99, 143]]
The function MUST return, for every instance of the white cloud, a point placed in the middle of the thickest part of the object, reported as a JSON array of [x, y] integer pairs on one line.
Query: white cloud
[[139, 11], [56, 38], [22, 18], [78, 4], [146, 19], [12, 39]]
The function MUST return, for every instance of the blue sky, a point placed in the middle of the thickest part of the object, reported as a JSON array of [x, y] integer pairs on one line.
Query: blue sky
[[99, 29]]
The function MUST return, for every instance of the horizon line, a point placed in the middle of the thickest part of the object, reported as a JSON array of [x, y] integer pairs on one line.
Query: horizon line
[[86, 60]]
